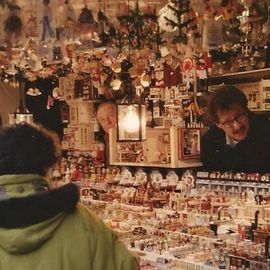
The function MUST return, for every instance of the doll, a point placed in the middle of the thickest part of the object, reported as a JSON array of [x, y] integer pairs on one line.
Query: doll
[[13, 25], [212, 28], [31, 30], [66, 21], [46, 20]]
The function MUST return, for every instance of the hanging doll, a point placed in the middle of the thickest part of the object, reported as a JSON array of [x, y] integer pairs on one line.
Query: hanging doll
[[105, 28], [71, 21], [4, 12], [87, 26], [203, 69], [256, 17], [266, 26], [212, 28], [66, 22], [46, 21], [229, 12], [102, 21], [172, 71], [31, 29], [159, 75], [188, 69], [13, 25]]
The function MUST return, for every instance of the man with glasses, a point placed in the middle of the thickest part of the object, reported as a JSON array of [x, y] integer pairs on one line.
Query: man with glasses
[[240, 140]]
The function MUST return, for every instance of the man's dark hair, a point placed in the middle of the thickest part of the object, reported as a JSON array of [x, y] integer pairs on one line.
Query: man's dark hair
[[28, 149], [224, 98]]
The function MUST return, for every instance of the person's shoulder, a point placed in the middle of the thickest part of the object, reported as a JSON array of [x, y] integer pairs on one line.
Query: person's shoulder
[[259, 122], [108, 242], [91, 221]]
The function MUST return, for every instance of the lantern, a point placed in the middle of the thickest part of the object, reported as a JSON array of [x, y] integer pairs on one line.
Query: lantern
[[131, 122], [22, 114]]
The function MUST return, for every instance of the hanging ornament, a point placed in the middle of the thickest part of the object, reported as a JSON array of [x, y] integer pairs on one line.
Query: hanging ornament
[[46, 21], [66, 21], [212, 35], [57, 93], [13, 25], [102, 21], [87, 23], [188, 72], [3, 59], [266, 26], [33, 92], [31, 29], [50, 102], [4, 13], [6, 80]]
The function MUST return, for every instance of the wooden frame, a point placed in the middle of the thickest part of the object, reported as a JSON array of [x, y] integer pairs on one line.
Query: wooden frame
[[189, 143]]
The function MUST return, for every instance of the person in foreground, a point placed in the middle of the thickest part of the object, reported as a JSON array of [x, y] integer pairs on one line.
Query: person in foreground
[[240, 140], [42, 228]]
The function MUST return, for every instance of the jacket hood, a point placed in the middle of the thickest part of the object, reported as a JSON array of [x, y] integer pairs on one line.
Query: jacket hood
[[24, 240], [30, 212]]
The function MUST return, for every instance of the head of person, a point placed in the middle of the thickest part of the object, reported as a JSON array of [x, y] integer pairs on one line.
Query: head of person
[[107, 115], [228, 109], [28, 149], [195, 137]]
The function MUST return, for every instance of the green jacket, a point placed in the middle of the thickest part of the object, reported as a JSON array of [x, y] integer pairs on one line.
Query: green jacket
[[47, 229]]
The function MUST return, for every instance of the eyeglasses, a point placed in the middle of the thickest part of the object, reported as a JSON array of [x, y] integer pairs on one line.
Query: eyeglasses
[[239, 119]]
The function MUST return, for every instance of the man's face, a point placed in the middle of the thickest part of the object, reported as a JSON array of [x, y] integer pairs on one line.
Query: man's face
[[106, 116], [234, 122]]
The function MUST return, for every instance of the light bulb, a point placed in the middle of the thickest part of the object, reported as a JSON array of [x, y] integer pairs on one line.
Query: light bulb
[[131, 120]]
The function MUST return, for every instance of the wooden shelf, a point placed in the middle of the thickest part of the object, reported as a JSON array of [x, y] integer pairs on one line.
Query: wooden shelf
[[187, 164], [250, 72], [242, 76]]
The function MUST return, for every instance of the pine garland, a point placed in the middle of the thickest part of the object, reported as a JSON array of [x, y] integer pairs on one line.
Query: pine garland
[[141, 28], [180, 8]]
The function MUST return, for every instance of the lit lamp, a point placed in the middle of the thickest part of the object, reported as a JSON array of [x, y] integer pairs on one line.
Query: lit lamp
[[22, 114], [131, 122]]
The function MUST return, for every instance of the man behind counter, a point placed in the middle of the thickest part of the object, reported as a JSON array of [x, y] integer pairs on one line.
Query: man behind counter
[[107, 117], [240, 140]]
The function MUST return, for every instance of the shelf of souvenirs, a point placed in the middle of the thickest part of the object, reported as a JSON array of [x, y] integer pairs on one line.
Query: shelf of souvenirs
[[249, 75], [155, 260], [156, 247], [230, 176], [234, 187], [185, 239], [196, 210], [187, 164], [148, 212], [239, 73]]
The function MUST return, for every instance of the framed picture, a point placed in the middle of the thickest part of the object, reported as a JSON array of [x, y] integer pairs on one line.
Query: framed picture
[[166, 138], [189, 143]]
